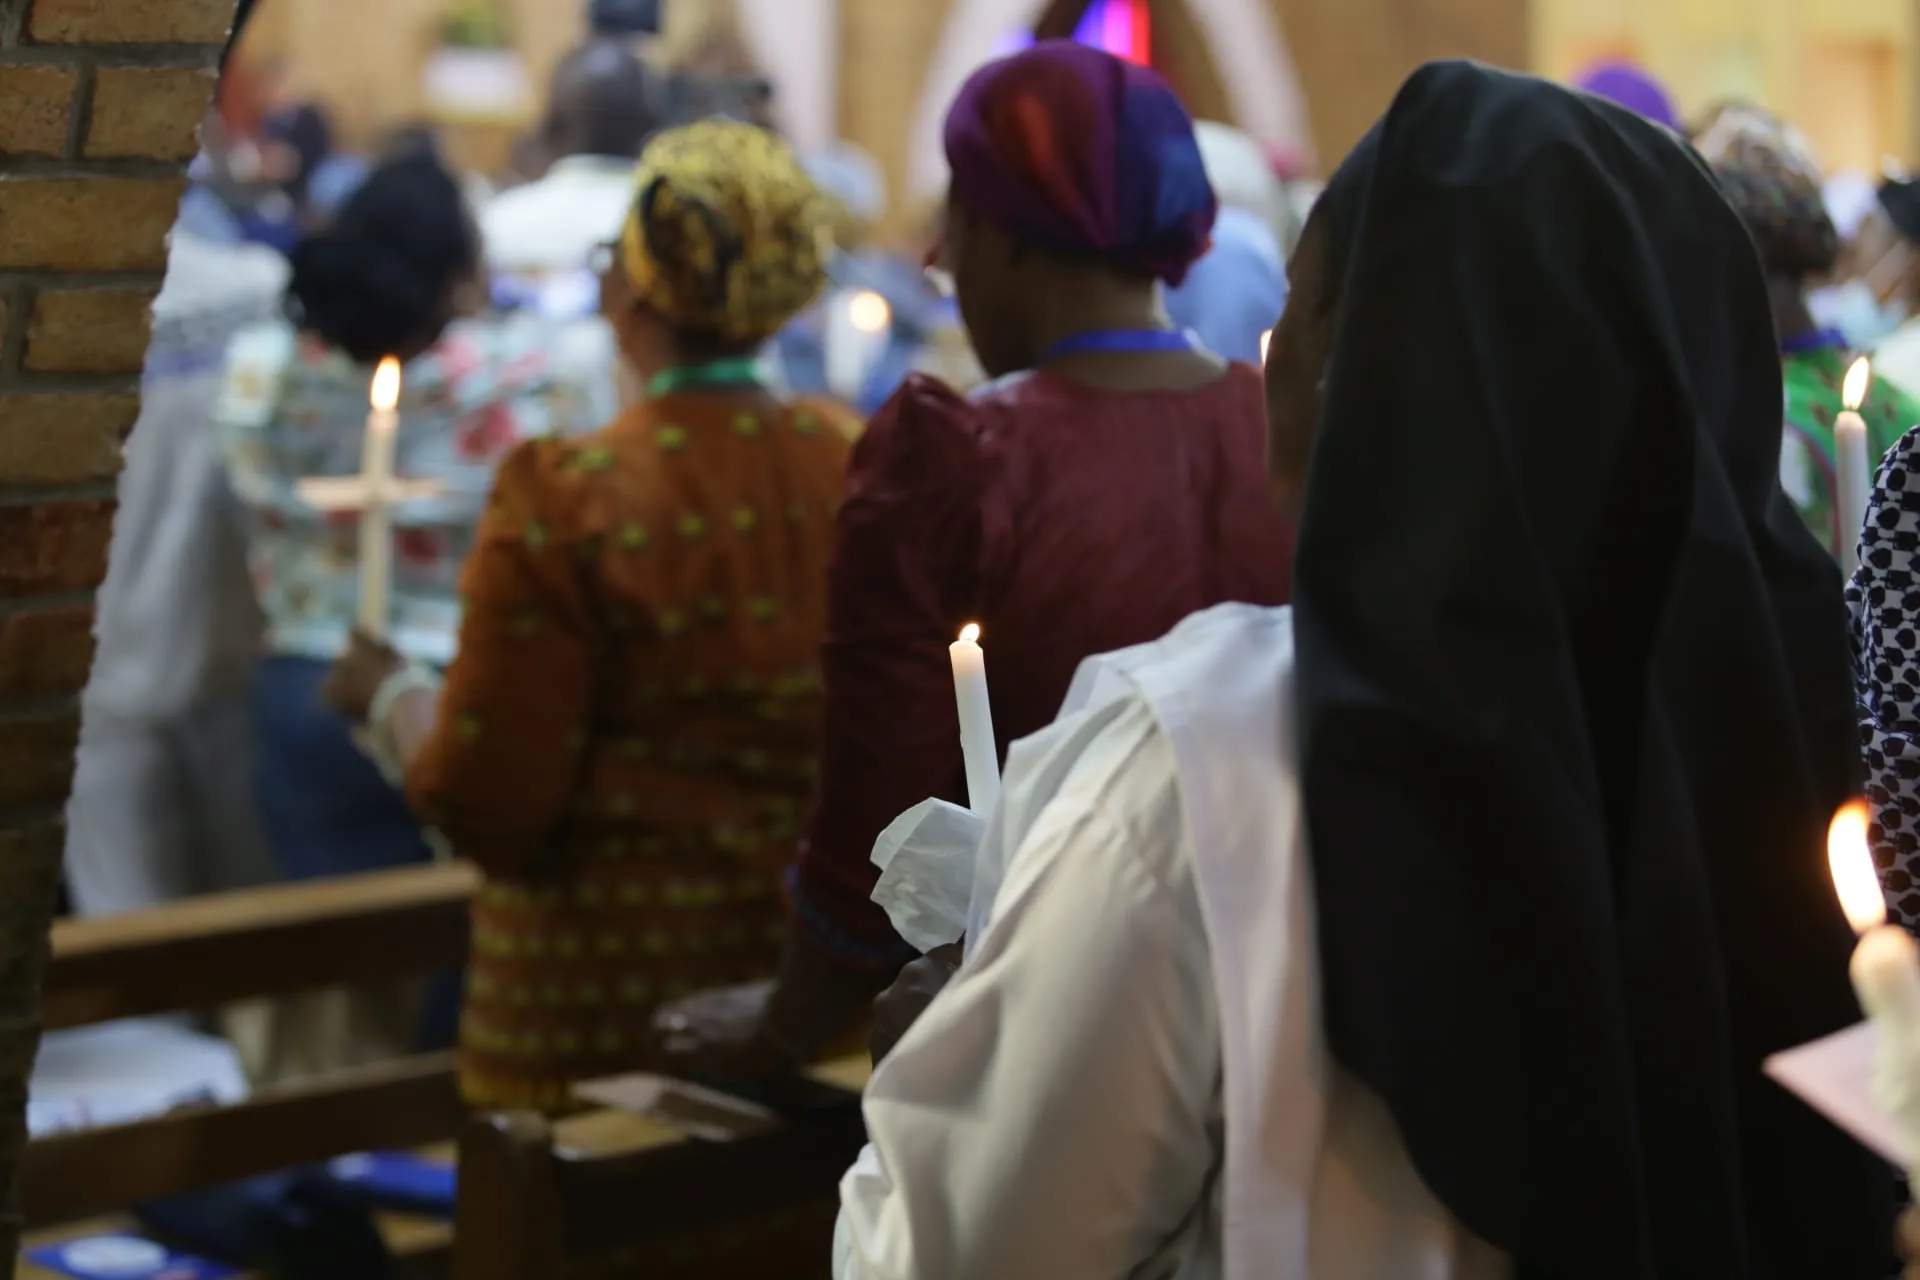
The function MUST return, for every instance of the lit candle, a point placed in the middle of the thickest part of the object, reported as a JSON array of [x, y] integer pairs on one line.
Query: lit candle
[[1852, 464], [1885, 971], [1266, 340], [856, 336], [376, 479], [976, 720]]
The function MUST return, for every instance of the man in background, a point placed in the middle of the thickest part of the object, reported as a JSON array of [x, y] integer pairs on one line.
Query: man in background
[[601, 108]]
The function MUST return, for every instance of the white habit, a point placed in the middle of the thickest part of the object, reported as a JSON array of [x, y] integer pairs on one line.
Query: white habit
[[1128, 1078]]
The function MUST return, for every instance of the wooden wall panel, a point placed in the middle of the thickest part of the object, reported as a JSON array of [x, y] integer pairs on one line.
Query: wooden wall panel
[[1353, 55]]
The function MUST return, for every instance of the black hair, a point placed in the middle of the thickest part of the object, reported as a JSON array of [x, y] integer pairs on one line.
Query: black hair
[[603, 102], [1900, 197], [376, 282]]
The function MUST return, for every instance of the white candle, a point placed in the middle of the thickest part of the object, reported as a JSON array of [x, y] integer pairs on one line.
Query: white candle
[[1885, 971], [1852, 464], [376, 479], [976, 721], [856, 337]]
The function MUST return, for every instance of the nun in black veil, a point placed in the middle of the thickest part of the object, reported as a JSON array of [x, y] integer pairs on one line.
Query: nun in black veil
[[1437, 926], [1574, 699]]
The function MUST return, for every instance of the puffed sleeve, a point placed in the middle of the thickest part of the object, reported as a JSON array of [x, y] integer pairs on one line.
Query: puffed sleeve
[[501, 768], [903, 581]]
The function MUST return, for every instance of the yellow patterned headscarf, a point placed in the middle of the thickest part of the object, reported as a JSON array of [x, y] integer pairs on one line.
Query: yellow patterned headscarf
[[727, 231]]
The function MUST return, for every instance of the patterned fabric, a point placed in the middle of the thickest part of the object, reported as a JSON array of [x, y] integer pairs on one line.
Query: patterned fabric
[[1806, 450], [1885, 600], [727, 232], [1628, 86], [292, 409], [627, 739], [1773, 181], [1074, 149], [1067, 522]]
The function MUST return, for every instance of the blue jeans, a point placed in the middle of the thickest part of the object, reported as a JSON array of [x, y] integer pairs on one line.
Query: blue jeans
[[326, 809]]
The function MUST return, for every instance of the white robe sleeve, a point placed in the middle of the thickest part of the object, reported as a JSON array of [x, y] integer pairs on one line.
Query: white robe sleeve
[[1054, 1114]]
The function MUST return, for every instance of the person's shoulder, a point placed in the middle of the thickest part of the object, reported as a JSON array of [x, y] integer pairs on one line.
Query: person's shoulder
[[926, 434], [254, 373], [206, 277], [811, 416], [547, 490], [1124, 777], [274, 340]]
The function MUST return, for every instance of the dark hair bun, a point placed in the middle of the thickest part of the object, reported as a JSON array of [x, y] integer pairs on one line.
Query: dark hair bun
[[377, 282]]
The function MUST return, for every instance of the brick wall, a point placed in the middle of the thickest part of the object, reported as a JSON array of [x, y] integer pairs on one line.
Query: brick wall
[[99, 104]]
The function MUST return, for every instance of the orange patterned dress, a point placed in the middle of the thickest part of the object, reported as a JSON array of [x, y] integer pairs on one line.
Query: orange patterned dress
[[627, 738]]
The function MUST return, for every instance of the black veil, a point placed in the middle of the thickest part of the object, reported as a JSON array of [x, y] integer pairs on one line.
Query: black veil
[[1575, 700]]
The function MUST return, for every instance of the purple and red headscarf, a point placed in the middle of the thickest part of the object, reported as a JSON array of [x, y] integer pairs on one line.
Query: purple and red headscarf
[[1068, 147]]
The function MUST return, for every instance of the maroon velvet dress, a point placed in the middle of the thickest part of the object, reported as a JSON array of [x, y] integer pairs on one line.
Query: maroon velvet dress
[[1067, 522]]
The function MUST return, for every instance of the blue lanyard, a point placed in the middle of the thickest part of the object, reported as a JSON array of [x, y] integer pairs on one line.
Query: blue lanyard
[[1818, 340], [1119, 340]]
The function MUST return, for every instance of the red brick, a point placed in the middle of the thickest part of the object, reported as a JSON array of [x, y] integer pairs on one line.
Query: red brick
[[150, 113], [64, 438], [36, 760], [45, 652], [89, 331], [33, 110], [86, 224], [50, 546], [130, 21]]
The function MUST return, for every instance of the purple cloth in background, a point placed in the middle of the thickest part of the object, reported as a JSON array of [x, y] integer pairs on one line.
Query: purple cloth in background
[[1630, 87]]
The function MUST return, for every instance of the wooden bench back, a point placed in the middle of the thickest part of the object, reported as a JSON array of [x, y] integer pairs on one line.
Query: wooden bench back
[[214, 950], [537, 1196]]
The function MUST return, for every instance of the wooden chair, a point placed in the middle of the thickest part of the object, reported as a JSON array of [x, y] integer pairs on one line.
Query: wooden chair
[[538, 1197], [223, 948]]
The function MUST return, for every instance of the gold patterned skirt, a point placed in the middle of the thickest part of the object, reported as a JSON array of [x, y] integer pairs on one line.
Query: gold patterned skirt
[[566, 970]]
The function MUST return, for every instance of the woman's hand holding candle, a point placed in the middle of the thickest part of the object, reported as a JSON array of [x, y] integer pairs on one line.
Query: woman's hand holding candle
[[1885, 971]]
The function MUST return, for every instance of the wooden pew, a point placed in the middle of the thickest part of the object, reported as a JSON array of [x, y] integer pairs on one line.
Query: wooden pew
[[213, 950], [538, 1196], [380, 927]]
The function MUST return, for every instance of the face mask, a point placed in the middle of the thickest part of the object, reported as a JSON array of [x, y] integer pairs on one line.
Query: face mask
[[1853, 309]]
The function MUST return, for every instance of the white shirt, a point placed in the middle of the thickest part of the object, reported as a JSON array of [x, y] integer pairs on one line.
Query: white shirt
[[1073, 1105], [178, 625], [555, 223]]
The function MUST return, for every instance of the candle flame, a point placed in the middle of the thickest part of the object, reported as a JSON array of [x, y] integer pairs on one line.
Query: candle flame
[[970, 634], [1854, 878], [386, 385], [1266, 340], [1853, 391], [869, 311]]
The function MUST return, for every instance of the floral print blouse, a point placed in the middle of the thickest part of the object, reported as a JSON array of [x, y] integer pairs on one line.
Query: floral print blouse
[[291, 409]]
